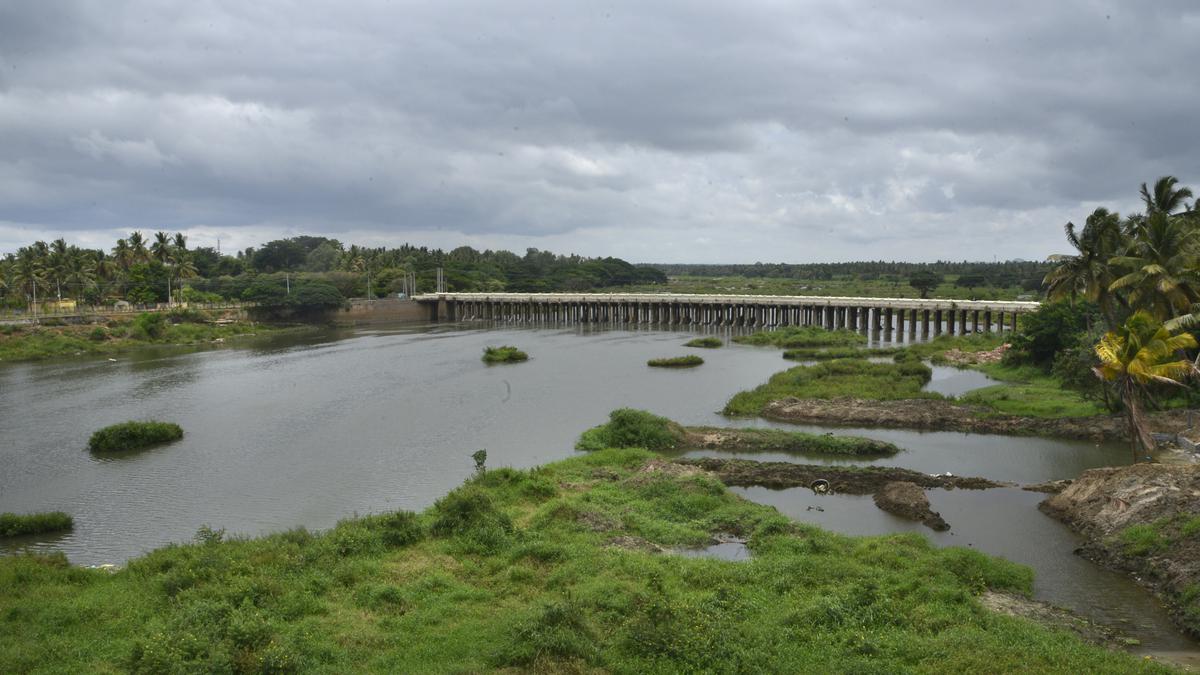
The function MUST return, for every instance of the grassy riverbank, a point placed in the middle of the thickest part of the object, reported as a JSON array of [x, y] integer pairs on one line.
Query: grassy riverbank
[[794, 337], [548, 570], [30, 343]]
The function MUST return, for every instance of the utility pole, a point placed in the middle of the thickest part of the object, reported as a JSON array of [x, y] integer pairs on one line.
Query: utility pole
[[287, 278], [35, 299]]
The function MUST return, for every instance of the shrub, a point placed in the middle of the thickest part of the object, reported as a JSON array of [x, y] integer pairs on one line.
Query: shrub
[[629, 428], [98, 334], [133, 436], [1055, 326], [15, 524], [149, 326], [505, 354], [705, 342], [676, 362], [466, 509]]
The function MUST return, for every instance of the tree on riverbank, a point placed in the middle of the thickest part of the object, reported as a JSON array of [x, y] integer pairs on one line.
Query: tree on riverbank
[[1140, 353]]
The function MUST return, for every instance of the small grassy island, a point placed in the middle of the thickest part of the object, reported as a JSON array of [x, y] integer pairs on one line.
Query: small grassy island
[[128, 436], [630, 428], [676, 362], [505, 354], [793, 337], [705, 342], [18, 524]]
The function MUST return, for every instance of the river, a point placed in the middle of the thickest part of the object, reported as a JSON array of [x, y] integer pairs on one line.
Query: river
[[303, 430]]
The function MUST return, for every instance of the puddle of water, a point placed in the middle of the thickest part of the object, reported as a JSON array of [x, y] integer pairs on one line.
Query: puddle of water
[[950, 381], [1004, 522], [727, 550]]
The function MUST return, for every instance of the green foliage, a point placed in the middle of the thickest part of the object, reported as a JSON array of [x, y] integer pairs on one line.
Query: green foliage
[[778, 440], [504, 354], [630, 428], [705, 342], [676, 362], [149, 326], [16, 524], [1045, 333], [829, 353], [98, 334], [133, 436], [791, 337], [856, 378], [1142, 539], [925, 281], [556, 596]]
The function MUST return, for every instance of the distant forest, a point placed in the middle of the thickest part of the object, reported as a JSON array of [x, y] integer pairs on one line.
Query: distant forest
[[1024, 273]]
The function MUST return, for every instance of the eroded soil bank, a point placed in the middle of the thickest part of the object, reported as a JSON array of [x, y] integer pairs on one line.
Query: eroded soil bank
[[843, 479], [1144, 520], [941, 415]]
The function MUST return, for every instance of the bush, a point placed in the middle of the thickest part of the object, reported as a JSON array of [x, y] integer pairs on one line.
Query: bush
[[98, 334], [133, 436], [705, 342], [629, 428], [505, 354], [149, 326], [15, 524], [676, 362], [467, 509], [1055, 326]]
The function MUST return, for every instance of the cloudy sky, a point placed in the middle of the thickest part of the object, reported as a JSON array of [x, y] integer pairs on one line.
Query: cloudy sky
[[654, 131]]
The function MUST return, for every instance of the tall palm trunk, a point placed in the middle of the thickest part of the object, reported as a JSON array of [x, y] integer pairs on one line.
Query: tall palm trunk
[[1139, 433]]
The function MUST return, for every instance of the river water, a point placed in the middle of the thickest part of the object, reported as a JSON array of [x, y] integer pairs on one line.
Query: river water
[[303, 430]]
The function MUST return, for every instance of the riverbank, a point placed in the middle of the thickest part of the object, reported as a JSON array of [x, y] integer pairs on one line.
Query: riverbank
[[1143, 520], [187, 328], [546, 570]]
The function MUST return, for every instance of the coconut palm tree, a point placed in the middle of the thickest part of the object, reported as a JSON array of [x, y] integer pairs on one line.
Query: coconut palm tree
[[1141, 352], [28, 272], [1087, 273], [57, 263], [1160, 267], [161, 248], [81, 272], [179, 241], [1166, 198], [137, 246]]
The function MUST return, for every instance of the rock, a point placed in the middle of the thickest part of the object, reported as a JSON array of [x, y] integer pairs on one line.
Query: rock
[[1052, 487], [908, 500]]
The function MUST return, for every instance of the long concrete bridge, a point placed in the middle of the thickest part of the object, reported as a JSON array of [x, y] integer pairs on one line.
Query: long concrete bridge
[[882, 315]]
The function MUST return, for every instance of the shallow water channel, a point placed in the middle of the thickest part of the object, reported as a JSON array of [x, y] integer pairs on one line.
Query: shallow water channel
[[303, 430]]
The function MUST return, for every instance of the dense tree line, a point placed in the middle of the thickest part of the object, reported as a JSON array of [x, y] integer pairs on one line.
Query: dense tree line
[[1027, 274], [164, 268], [1129, 304]]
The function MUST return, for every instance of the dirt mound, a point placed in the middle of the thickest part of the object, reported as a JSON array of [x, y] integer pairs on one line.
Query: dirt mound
[[1145, 520], [845, 479], [907, 500], [657, 469], [940, 415], [957, 357]]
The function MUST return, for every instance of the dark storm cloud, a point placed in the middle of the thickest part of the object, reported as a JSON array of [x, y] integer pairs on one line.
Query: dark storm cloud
[[654, 131]]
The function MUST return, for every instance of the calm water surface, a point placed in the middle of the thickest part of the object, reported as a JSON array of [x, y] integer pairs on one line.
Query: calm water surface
[[306, 430]]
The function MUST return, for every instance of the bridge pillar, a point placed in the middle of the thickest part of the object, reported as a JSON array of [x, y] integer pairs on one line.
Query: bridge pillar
[[924, 323], [962, 322], [987, 321]]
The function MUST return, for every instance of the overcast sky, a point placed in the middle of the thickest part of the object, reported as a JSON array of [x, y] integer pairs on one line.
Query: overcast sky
[[653, 131]]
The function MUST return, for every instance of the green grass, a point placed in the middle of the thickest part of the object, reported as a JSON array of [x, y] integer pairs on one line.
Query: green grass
[[1029, 392], [705, 342], [792, 337], [1143, 539], [17, 524], [974, 342], [854, 378], [46, 342], [505, 354], [133, 436], [830, 353], [676, 362], [515, 571], [630, 428]]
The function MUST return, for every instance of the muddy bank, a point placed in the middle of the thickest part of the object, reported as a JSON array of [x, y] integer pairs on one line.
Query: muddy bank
[[843, 479], [1143, 520], [775, 440], [1053, 617], [908, 500], [941, 415]]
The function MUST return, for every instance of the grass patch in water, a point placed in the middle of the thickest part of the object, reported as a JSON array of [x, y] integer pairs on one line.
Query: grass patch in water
[[853, 378], [630, 428], [676, 362], [560, 590], [791, 337], [133, 436], [830, 353], [18, 524], [504, 354], [705, 342]]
